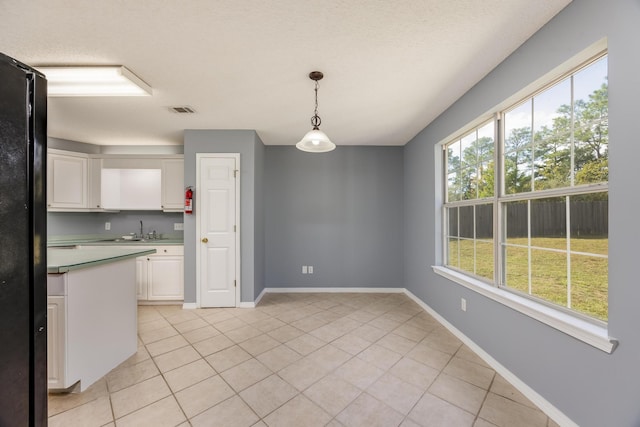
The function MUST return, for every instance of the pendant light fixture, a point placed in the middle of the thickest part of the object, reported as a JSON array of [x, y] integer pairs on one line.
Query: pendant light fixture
[[315, 141]]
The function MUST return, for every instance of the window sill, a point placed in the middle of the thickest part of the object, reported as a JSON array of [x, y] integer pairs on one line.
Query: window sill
[[582, 330]]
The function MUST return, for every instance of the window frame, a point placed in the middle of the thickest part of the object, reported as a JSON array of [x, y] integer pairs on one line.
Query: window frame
[[582, 326], [467, 202]]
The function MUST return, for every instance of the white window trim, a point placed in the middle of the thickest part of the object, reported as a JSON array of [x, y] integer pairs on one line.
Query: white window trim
[[587, 332]]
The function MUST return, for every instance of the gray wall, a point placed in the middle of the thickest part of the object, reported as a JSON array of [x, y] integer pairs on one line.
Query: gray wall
[[259, 219], [123, 222], [341, 212], [591, 387], [247, 143]]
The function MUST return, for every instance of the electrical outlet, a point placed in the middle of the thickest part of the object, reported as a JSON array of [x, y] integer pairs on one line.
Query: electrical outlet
[[107, 226], [178, 226], [304, 269], [310, 269], [463, 304]]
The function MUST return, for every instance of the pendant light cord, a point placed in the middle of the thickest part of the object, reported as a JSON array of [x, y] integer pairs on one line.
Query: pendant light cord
[[315, 120]]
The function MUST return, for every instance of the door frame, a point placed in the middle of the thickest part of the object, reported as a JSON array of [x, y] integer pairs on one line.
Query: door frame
[[198, 212]]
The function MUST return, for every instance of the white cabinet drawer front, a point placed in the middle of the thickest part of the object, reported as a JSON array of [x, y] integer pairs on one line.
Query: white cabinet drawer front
[[169, 250], [160, 250]]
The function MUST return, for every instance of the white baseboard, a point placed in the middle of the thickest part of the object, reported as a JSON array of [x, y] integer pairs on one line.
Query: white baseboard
[[193, 305], [542, 403], [154, 302], [334, 290], [257, 301]]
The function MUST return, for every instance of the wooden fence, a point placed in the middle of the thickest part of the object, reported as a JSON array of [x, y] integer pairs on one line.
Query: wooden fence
[[548, 219]]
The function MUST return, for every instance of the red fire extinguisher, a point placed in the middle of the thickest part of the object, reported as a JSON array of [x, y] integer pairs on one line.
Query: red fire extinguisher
[[188, 201]]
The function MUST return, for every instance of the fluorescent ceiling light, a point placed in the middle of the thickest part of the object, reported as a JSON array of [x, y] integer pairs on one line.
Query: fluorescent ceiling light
[[113, 80]]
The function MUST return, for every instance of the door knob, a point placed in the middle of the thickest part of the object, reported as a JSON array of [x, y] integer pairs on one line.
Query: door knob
[[205, 240]]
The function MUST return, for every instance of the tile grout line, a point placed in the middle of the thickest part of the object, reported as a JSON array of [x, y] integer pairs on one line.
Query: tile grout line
[[485, 397]]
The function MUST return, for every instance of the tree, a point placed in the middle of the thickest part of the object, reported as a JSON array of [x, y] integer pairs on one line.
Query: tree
[[476, 159], [589, 123], [466, 171], [592, 131], [517, 169], [553, 155], [486, 180], [594, 171]]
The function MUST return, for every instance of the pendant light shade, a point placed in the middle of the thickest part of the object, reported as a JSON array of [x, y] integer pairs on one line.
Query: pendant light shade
[[315, 141]]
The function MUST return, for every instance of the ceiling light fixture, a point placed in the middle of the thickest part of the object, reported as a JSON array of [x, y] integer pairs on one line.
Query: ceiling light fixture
[[114, 80], [316, 141]]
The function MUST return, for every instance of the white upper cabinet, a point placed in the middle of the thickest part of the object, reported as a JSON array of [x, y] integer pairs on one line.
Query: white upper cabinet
[[95, 183], [173, 185], [67, 181]]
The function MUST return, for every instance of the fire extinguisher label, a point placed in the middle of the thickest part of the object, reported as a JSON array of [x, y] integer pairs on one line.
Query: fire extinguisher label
[[188, 206]]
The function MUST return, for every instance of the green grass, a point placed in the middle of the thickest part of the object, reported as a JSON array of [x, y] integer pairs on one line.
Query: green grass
[[589, 274]]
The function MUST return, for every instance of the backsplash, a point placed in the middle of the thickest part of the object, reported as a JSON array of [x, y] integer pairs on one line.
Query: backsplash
[[122, 223]]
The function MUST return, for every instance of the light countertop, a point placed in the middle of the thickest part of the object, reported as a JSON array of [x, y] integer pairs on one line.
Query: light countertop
[[62, 260], [107, 240]]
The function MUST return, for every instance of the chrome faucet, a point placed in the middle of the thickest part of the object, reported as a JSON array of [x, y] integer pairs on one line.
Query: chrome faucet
[[141, 233]]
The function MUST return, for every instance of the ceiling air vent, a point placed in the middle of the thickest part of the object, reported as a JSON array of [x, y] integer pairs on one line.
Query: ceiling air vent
[[183, 109]]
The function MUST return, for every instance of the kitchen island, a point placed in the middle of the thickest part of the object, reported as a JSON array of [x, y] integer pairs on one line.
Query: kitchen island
[[91, 313]]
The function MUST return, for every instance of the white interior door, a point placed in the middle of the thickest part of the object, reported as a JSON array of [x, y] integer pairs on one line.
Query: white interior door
[[216, 210]]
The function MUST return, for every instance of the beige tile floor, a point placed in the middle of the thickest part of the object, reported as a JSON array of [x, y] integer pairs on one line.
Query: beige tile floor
[[298, 360]]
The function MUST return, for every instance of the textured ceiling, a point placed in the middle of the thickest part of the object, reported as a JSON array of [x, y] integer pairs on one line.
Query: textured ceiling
[[390, 67]]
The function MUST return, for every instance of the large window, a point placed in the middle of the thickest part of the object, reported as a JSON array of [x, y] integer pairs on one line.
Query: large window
[[526, 196]]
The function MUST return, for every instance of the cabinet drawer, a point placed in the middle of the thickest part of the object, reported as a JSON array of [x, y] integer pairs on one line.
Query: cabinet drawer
[[169, 250], [160, 250]]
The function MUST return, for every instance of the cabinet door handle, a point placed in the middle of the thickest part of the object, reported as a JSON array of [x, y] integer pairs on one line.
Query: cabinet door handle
[[205, 240]]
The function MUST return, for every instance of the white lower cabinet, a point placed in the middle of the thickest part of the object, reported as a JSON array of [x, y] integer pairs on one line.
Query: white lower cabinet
[[160, 277], [56, 342], [91, 323], [141, 277]]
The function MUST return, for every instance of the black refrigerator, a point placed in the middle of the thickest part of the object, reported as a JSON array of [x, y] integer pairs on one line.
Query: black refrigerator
[[23, 245]]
